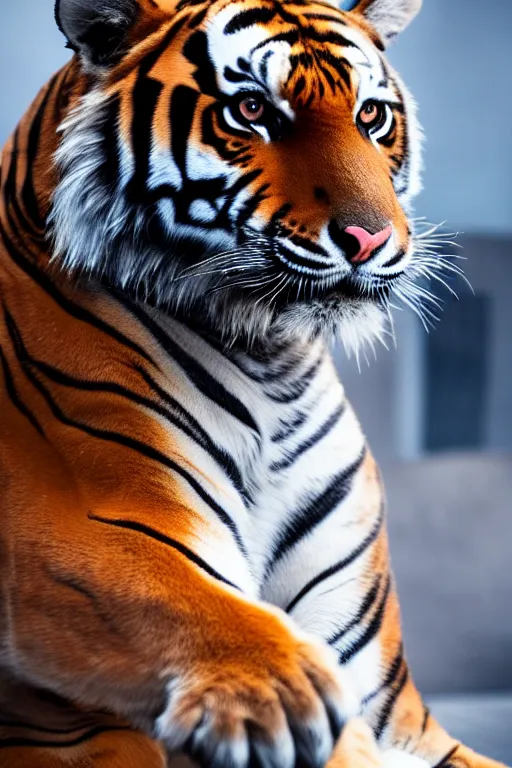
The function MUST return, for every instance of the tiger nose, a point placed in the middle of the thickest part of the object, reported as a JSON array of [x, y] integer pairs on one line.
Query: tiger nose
[[358, 244]]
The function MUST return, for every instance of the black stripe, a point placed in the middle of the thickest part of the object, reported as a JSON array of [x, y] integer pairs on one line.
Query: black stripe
[[200, 435], [321, 432], [303, 242], [27, 191], [192, 429], [115, 437], [303, 521], [11, 196], [110, 167], [199, 376], [371, 630], [340, 65], [198, 19], [365, 544], [390, 703], [329, 77], [31, 223], [72, 309], [10, 188], [390, 678], [182, 110], [191, 424], [444, 762], [15, 399], [196, 51], [426, 715], [146, 93], [398, 257], [263, 66], [286, 430], [330, 36], [365, 607], [163, 539], [299, 87], [297, 259], [245, 19], [291, 37], [325, 17], [283, 368], [233, 76], [280, 214], [250, 205], [241, 183], [293, 426], [296, 389]]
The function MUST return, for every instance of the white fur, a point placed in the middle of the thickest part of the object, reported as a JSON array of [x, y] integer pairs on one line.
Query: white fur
[[396, 758]]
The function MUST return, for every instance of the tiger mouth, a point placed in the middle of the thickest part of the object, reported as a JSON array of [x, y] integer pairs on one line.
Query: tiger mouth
[[328, 281]]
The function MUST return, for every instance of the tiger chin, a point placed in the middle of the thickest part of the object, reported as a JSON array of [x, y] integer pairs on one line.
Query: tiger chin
[[193, 548]]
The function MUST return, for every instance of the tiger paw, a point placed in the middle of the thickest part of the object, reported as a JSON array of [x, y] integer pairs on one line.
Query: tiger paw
[[281, 704]]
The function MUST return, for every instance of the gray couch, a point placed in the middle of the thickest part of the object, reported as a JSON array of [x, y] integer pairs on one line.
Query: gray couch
[[450, 522]]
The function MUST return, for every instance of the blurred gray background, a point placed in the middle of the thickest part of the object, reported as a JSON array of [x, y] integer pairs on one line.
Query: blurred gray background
[[438, 408]]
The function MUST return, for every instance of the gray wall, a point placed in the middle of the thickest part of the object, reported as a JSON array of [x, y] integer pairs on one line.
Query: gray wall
[[450, 530], [31, 49], [456, 60], [388, 393]]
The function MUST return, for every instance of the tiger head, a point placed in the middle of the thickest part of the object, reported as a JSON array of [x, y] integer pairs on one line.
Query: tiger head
[[247, 162]]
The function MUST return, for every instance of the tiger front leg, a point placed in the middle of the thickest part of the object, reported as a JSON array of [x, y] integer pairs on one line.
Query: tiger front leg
[[162, 643]]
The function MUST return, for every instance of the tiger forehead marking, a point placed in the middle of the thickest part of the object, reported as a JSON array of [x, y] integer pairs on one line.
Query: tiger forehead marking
[[298, 54], [309, 60]]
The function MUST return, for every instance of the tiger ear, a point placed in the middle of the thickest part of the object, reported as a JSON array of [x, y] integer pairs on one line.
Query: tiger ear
[[96, 29], [387, 17]]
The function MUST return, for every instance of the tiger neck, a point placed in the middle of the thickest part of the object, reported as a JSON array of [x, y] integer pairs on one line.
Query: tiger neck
[[28, 175]]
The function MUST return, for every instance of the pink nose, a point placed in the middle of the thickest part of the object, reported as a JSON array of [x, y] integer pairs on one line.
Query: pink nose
[[368, 244]]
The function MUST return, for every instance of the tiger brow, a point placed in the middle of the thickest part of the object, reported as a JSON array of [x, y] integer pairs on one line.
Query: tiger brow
[[248, 18]]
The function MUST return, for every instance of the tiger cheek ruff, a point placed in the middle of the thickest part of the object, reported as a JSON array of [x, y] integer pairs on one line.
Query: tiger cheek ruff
[[193, 551]]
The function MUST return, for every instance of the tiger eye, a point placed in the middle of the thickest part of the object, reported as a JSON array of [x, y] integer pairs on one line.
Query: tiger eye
[[252, 108], [369, 113]]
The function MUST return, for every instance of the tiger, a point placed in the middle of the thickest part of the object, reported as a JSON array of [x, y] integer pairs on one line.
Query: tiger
[[193, 548]]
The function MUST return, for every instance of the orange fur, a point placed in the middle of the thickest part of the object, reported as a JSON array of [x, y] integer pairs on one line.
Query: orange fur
[[94, 612]]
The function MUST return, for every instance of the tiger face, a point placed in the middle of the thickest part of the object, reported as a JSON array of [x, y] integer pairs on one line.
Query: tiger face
[[252, 161]]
